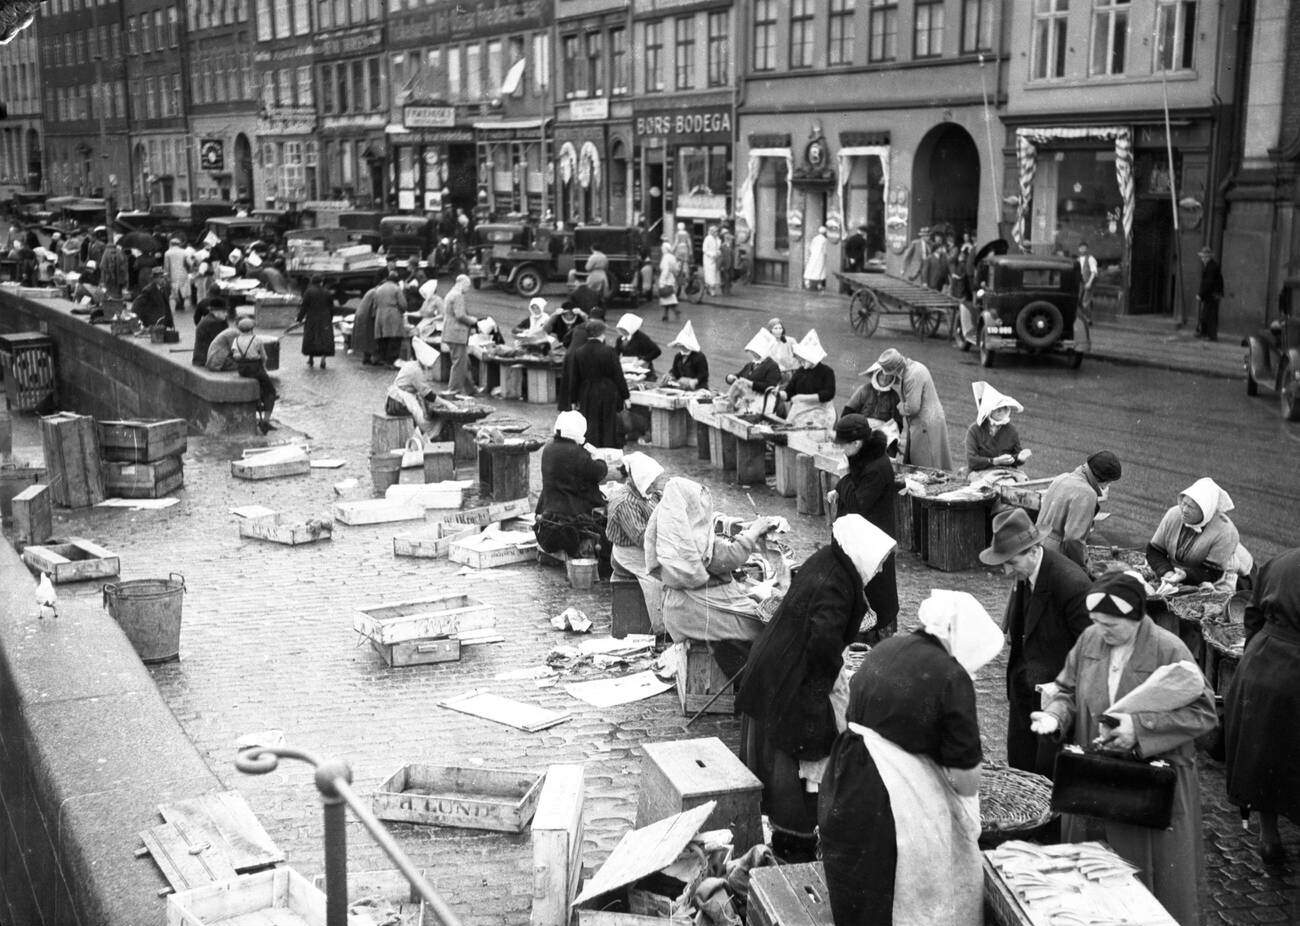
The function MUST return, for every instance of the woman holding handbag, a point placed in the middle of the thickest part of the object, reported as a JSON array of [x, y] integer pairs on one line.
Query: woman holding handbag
[[1119, 652]]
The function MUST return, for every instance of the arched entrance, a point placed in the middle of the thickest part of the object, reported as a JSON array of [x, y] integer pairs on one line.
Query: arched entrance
[[946, 180], [243, 173]]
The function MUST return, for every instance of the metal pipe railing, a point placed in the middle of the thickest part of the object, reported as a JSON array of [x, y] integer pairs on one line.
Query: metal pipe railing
[[334, 782]]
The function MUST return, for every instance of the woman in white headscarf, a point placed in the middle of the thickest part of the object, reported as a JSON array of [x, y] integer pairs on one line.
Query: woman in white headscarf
[[633, 342], [791, 716], [570, 516], [670, 268], [754, 385], [809, 395], [1195, 542], [412, 385], [628, 513], [992, 441], [701, 600], [898, 814]]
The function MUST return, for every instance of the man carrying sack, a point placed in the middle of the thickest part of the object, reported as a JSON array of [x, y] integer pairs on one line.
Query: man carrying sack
[[1045, 615]]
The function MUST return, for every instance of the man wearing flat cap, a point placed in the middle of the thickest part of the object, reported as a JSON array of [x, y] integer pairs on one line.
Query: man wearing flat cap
[[1208, 295], [1071, 503], [1045, 615]]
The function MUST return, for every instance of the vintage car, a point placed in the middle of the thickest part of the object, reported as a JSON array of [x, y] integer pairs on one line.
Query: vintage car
[[1027, 303], [187, 219], [625, 249], [406, 237], [240, 230], [522, 257], [1273, 354], [364, 226]]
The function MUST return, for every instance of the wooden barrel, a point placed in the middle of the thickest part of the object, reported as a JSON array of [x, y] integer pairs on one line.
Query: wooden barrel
[[954, 532]]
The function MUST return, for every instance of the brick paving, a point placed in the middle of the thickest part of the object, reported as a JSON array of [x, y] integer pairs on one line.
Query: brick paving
[[268, 644]]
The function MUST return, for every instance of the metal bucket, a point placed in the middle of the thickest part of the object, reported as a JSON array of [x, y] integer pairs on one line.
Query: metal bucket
[[149, 613], [385, 470], [582, 572]]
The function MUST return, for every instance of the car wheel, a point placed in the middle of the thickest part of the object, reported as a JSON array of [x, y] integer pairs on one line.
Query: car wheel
[[1287, 395], [1252, 386], [986, 352], [1040, 324], [528, 282]]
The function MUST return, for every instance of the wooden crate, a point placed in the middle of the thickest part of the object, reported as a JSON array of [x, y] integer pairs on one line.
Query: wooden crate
[[789, 895], [402, 621], [472, 798], [557, 845], [446, 496], [488, 514], [433, 542], [682, 774], [418, 652], [143, 441], [377, 511], [486, 551], [13, 479], [703, 678], [73, 561], [277, 529], [144, 480], [787, 472], [439, 463], [72, 461], [540, 386], [390, 432], [276, 897], [272, 463], [33, 516], [627, 607], [669, 427]]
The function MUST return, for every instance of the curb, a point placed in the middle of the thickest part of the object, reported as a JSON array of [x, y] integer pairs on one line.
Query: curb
[[1175, 366]]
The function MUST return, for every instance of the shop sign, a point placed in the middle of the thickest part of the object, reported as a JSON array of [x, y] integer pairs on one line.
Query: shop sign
[[212, 155], [587, 110], [346, 44], [327, 205], [702, 205], [433, 200], [682, 126], [428, 117]]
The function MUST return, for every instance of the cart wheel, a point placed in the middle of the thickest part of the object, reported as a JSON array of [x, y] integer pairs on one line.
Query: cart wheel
[[925, 322], [864, 313]]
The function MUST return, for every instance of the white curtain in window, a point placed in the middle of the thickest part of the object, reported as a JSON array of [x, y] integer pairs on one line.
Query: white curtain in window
[[843, 169], [1027, 142], [747, 212]]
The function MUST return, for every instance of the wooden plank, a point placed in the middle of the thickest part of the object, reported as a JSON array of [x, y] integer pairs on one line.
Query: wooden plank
[[517, 714], [33, 516], [377, 511], [185, 858], [422, 620], [787, 474], [446, 496], [808, 491], [557, 844], [75, 561], [225, 820], [497, 800], [644, 851], [655, 398]]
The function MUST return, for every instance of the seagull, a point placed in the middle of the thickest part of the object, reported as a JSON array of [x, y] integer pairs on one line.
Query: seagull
[[46, 598]]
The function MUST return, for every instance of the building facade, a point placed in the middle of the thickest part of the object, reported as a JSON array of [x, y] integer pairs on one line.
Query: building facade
[[221, 100], [876, 114], [83, 77], [351, 99], [1093, 155], [155, 63], [286, 153], [21, 146]]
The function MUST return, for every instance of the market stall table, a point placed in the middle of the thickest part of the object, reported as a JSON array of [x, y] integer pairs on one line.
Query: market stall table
[[503, 466], [704, 413], [453, 417], [541, 376], [751, 448], [670, 421]]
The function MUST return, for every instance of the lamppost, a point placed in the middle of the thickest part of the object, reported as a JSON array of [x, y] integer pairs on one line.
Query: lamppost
[[334, 782]]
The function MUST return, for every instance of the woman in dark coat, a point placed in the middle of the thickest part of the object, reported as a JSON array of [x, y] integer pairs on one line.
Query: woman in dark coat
[[597, 387], [1261, 735], [363, 329], [568, 519], [317, 318], [786, 695], [633, 342], [869, 489]]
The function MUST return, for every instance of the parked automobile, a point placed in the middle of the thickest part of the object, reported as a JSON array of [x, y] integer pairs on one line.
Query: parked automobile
[[1273, 353], [279, 221], [364, 226], [185, 219], [242, 231], [625, 248], [520, 256], [1029, 304], [407, 237]]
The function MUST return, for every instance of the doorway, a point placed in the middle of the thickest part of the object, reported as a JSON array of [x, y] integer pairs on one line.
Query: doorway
[[1151, 273], [243, 170], [462, 177], [946, 180]]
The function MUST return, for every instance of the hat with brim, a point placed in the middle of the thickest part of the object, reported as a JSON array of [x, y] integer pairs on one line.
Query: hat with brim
[[1013, 533]]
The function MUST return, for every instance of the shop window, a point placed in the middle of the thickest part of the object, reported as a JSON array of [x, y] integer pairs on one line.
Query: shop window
[[654, 56], [1175, 35], [618, 61], [976, 26], [927, 38], [684, 57], [764, 35], [719, 42], [1050, 20], [882, 27], [801, 33], [571, 88], [1109, 37], [840, 32]]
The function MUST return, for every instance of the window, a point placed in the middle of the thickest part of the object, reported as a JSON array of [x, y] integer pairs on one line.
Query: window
[[719, 42], [515, 54], [357, 92], [474, 71], [284, 95], [324, 15], [1109, 36], [340, 18], [618, 61], [976, 25], [301, 17], [882, 29], [304, 86], [595, 77], [571, 88], [282, 25], [342, 98], [1175, 35], [684, 55], [173, 27], [494, 73], [541, 61], [327, 88], [376, 84], [654, 56], [801, 33], [1050, 18], [453, 72], [176, 94], [159, 31], [928, 37], [150, 98]]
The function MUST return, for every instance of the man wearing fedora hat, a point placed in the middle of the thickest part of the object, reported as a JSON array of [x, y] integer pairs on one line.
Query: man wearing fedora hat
[[1208, 296], [1045, 615]]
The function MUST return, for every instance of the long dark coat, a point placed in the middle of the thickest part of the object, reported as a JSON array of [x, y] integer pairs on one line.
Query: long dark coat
[[571, 480], [868, 489], [794, 663], [1043, 625], [597, 388], [363, 325], [1263, 701], [317, 316]]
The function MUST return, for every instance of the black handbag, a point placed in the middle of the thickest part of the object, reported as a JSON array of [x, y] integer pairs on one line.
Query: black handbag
[[1112, 787]]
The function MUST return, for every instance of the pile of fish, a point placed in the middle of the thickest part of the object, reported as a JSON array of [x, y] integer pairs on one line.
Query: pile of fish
[[1072, 884]]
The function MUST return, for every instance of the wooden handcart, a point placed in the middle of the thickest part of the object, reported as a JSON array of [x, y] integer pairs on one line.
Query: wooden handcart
[[875, 294]]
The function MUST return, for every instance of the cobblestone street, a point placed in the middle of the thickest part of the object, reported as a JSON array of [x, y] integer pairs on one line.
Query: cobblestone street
[[268, 644]]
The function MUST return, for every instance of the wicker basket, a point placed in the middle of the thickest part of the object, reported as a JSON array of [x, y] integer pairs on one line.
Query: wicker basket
[[1013, 804]]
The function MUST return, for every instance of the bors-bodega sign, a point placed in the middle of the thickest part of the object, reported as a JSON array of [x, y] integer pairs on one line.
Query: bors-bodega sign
[[676, 126]]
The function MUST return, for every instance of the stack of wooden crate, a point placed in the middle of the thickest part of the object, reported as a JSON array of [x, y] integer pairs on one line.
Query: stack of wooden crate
[[73, 469], [142, 459]]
